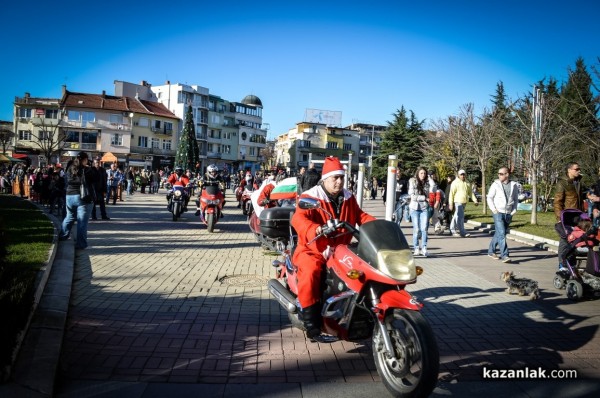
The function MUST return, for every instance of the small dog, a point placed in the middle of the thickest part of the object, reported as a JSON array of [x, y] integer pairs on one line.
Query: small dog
[[521, 286]]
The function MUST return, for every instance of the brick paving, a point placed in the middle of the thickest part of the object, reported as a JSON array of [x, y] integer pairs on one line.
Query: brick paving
[[153, 302]]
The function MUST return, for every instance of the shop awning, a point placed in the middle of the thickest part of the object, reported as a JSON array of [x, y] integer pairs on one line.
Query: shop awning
[[19, 156], [4, 159], [108, 157]]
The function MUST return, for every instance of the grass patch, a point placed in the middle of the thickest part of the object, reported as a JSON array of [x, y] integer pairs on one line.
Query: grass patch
[[521, 221], [25, 240]]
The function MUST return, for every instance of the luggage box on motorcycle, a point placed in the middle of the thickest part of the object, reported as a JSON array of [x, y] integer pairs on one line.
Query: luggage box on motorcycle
[[275, 222]]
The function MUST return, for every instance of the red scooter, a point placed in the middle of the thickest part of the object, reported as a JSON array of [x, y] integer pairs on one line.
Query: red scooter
[[211, 205], [364, 297]]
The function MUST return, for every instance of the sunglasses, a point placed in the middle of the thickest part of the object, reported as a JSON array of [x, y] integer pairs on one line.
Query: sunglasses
[[576, 169]]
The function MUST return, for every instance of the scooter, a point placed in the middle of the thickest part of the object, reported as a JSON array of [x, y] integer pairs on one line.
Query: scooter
[[210, 204], [364, 297], [176, 197], [247, 207]]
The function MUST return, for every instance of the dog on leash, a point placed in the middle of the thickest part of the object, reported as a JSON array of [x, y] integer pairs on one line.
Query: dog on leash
[[521, 286]]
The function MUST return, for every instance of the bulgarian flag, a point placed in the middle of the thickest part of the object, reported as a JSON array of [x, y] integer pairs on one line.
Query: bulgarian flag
[[285, 189]]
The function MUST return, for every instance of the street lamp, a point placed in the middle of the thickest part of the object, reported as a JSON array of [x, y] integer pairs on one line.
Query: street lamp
[[372, 140]]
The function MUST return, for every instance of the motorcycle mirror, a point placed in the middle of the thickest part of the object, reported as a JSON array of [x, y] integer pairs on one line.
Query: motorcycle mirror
[[308, 203]]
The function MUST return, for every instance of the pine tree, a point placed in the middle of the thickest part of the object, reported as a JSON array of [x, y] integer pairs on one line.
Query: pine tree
[[403, 139], [188, 153]]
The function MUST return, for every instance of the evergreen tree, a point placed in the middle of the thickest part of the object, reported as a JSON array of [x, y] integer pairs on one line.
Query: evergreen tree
[[188, 153], [403, 139]]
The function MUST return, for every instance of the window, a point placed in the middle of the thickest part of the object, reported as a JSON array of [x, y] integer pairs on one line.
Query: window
[[226, 135], [24, 112], [332, 145], [89, 138], [72, 136], [116, 140], [155, 143], [87, 117], [168, 128], [166, 145], [252, 151], [347, 147], [116, 118], [51, 113], [44, 135], [156, 125], [226, 148], [304, 144], [216, 119], [143, 122], [24, 135], [143, 141]]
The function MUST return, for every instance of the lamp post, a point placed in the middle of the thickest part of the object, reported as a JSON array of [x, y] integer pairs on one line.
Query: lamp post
[[372, 141]]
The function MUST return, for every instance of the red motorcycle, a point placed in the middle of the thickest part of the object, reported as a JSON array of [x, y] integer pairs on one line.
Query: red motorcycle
[[364, 297], [211, 205]]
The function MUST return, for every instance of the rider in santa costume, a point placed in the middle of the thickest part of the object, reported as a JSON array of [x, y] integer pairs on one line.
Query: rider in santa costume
[[311, 258]]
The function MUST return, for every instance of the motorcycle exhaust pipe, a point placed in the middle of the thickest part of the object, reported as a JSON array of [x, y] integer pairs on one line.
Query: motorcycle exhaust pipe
[[284, 297]]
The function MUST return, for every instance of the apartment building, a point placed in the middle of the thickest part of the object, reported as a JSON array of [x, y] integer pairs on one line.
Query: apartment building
[[135, 131]]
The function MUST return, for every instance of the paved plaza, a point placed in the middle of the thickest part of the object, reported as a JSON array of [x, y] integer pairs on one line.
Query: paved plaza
[[161, 308]]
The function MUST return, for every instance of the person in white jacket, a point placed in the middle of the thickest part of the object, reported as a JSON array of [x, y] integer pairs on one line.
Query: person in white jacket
[[502, 199]]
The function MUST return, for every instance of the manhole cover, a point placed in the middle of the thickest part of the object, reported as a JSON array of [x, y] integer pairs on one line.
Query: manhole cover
[[244, 280]]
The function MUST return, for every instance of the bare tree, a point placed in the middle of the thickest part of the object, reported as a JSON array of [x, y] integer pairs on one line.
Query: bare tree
[[48, 135], [444, 143], [546, 137], [6, 136], [480, 137]]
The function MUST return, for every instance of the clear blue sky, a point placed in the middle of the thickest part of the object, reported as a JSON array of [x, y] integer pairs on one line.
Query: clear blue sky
[[365, 59]]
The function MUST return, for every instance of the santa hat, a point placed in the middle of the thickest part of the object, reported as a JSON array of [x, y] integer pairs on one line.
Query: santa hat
[[332, 167]]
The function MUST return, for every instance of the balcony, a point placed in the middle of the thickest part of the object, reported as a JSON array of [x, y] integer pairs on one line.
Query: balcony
[[152, 151], [213, 155]]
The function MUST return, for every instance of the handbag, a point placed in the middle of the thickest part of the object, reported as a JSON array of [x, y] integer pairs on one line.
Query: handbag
[[86, 192]]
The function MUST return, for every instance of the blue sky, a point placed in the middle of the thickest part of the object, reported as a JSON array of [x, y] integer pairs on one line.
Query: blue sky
[[365, 59]]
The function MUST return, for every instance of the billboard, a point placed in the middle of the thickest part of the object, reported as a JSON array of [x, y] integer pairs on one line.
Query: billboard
[[329, 118]]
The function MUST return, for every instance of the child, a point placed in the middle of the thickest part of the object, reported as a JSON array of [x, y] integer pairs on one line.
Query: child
[[579, 236]]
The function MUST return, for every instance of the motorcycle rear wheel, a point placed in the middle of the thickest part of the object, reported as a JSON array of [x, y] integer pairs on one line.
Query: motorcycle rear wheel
[[210, 222], [413, 370]]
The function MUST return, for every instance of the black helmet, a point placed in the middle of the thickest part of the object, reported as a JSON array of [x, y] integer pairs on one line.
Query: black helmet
[[178, 169]]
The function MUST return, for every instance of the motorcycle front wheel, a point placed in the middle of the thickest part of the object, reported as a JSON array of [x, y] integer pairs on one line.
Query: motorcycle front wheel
[[413, 369], [210, 222], [176, 210]]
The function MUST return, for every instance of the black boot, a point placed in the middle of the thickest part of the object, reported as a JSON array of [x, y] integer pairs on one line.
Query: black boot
[[311, 316]]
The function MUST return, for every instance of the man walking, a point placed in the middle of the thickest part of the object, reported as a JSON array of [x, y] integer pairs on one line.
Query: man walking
[[502, 200], [460, 191], [113, 176]]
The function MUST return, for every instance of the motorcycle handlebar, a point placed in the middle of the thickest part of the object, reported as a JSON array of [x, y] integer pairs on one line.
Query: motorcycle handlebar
[[333, 225]]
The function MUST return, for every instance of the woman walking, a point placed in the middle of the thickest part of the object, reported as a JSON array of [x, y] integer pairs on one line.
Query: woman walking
[[78, 172], [419, 188]]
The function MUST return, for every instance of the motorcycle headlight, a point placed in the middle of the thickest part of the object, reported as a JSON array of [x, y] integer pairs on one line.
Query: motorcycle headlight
[[211, 202], [397, 264], [177, 193]]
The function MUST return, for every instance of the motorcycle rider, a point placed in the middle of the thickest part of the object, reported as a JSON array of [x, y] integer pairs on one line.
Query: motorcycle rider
[[247, 183], [311, 256], [211, 178], [178, 178]]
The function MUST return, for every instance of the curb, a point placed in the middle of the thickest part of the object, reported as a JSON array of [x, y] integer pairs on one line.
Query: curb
[[521, 237]]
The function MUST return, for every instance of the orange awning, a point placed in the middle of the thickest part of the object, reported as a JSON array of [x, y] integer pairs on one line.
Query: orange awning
[[108, 157]]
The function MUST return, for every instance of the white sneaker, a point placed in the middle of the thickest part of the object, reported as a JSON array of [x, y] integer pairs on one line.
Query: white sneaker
[[416, 253], [424, 252]]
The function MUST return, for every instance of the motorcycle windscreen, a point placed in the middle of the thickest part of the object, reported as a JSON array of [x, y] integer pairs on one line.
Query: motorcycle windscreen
[[212, 189], [383, 245]]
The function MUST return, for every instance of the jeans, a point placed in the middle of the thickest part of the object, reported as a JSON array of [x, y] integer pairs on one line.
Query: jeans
[[501, 223], [458, 219], [80, 211], [129, 187], [113, 189], [401, 212], [420, 221]]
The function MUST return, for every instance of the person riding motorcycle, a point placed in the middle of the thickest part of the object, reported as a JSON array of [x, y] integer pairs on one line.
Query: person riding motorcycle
[[178, 178], [311, 256], [212, 178], [247, 183]]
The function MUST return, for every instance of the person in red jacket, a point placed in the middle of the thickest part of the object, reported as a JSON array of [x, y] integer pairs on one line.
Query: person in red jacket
[[311, 258], [178, 178]]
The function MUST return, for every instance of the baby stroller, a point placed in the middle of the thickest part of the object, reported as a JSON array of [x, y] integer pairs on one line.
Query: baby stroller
[[577, 280], [441, 220]]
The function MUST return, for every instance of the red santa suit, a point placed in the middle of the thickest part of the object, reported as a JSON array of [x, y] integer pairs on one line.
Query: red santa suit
[[264, 199], [309, 258]]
